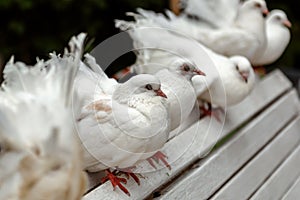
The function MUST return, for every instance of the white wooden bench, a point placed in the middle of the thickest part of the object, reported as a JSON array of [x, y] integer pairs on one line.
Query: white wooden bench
[[257, 157]]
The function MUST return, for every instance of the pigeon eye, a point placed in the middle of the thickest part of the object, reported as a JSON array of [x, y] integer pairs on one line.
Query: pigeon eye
[[186, 67], [278, 18], [257, 5], [148, 87], [237, 67]]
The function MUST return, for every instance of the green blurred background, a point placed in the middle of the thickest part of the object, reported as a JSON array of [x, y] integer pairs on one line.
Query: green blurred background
[[33, 28]]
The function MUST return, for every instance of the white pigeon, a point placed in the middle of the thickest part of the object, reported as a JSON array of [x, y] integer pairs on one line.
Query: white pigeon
[[244, 36], [278, 37], [120, 124], [166, 46], [175, 78], [40, 155], [237, 79]]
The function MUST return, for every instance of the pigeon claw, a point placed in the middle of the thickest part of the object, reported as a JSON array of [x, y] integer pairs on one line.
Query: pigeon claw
[[210, 112], [135, 178], [128, 173], [115, 181], [157, 157], [150, 161], [260, 70]]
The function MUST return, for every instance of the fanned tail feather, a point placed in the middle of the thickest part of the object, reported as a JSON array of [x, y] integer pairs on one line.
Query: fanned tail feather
[[19, 77], [76, 46], [141, 33], [53, 78], [91, 62], [212, 13], [106, 83], [157, 19]]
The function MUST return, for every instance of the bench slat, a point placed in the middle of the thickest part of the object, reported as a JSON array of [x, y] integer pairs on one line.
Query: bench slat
[[250, 178], [284, 177], [294, 192], [198, 141], [218, 167]]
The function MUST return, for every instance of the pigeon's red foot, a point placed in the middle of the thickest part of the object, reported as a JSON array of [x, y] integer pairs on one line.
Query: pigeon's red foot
[[208, 111], [120, 74], [128, 173], [260, 70], [115, 181], [157, 157]]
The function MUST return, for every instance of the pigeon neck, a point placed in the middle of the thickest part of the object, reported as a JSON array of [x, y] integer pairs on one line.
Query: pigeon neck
[[121, 94], [251, 20]]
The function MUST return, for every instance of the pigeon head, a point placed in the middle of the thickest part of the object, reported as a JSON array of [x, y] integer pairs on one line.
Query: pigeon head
[[259, 5], [142, 84], [185, 69], [279, 17], [243, 68]]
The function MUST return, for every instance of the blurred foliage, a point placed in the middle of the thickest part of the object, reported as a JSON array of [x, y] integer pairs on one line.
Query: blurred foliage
[[31, 28]]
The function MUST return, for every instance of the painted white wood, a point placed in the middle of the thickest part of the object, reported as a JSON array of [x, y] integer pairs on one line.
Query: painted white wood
[[282, 179], [253, 175], [212, 172], [294, 192], [191, 144]]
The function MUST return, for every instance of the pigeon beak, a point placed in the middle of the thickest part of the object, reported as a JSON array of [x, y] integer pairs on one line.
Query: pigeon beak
[[199, 72], [287, 23], [159, 92], [265, 12], [245, 76]]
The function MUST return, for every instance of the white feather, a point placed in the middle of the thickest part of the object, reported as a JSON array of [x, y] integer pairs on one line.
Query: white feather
[[40, 154], [278, 37], [222, 76], [121, 124], [214, 13], [244, 36]]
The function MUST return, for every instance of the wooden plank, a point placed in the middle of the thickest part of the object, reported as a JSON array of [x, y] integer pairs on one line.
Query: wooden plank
[[218, 167], [191, 144], [284, 177], [253, 175], [294, 192]]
